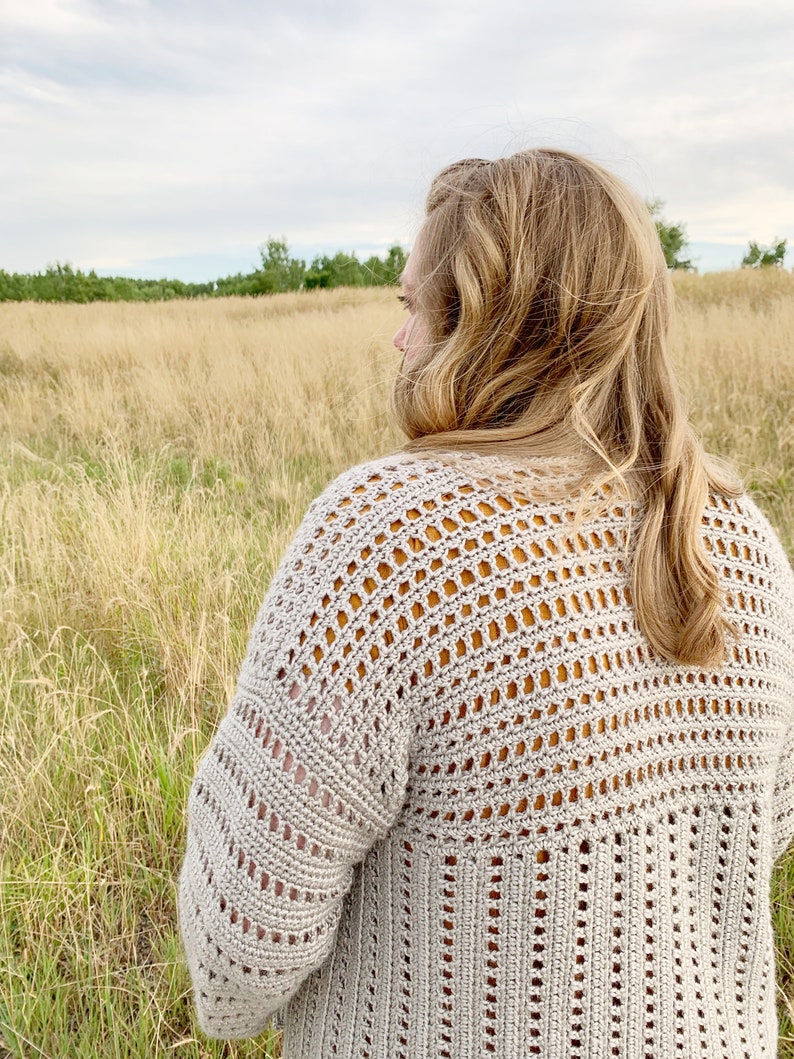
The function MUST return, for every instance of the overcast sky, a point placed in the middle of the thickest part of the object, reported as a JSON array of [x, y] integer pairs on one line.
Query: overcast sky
[[172, 137]]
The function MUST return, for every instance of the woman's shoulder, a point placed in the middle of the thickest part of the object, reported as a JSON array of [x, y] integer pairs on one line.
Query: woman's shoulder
[[741, 513], [390, 510], [741, 531], [441, 475], [379, 485], [367, 507], [394, 471]]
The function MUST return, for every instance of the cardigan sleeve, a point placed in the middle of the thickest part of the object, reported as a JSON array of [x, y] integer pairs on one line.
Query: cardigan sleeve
[[781, 576], [306, 771], [783, 796], [783, 815]]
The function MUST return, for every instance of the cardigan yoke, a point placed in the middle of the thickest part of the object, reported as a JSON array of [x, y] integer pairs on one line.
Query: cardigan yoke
[[459, 808]]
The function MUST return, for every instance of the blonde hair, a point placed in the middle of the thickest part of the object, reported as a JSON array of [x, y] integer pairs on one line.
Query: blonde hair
[[547, 302]]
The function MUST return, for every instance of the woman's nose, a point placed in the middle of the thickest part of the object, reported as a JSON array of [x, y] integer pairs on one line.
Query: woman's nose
[[399, 337]]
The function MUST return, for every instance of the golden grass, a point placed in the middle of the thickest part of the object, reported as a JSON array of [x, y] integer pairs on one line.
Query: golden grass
[[155, 460]]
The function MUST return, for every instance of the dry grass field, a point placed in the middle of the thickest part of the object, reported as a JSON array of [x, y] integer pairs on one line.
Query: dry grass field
[[154, 462]]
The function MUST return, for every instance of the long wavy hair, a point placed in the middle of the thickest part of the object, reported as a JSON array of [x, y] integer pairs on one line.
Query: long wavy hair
[[546, 301]]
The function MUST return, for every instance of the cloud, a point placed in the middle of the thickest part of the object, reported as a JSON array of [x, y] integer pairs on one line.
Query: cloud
[[138, 130]]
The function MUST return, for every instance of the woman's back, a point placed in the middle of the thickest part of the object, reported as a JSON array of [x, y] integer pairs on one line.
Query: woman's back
[[559, 844]]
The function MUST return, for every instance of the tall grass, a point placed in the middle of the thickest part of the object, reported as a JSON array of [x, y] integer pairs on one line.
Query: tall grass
[[155, 460]]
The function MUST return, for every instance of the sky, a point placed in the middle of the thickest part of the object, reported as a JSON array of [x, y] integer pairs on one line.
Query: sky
[[173, 137]]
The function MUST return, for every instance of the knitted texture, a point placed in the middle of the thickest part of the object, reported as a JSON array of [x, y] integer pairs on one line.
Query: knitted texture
[[459, 808]]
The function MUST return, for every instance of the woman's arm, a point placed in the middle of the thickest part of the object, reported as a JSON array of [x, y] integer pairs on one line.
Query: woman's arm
[[306, 771]]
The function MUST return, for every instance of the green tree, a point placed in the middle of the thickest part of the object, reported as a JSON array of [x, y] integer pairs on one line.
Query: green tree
[[759, 256], [279, 271], [672, 237], [341, 270], [382, 271]]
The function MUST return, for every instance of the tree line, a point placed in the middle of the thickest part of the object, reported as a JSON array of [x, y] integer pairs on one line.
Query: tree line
[[278, 271], [675, 245]]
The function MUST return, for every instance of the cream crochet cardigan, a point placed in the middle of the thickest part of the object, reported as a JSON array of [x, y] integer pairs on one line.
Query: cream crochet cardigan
[[457, 807]]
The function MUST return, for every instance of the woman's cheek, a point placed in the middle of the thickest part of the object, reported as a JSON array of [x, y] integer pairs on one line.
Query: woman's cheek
[[415, 338]]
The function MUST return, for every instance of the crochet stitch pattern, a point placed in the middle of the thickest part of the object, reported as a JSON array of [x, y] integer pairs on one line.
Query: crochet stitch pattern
[[459, 808]]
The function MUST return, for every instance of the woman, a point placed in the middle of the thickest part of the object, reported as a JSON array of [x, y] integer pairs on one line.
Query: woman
[[512, 749]]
